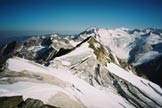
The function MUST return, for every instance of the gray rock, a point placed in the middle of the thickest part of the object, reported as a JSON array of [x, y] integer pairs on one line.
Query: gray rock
[[10, 102], [31, 103]]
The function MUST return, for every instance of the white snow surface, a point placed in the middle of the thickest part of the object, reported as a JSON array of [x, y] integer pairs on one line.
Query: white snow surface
[[136, 81], [117, 40], [74, 43], [121, 42], [29, 89], [84, 48], [89, 96], [76, 88]]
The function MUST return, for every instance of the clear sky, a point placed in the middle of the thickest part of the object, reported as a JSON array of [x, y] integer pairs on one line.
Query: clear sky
[[77, 15]]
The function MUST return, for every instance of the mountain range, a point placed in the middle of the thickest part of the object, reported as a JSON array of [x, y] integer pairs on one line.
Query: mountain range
[[98, 68]]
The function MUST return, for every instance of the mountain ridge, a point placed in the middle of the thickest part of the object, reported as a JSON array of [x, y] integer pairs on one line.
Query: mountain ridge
[[82, 72]]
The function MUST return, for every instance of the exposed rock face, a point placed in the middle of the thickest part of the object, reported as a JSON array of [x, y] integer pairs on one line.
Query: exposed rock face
[[46, 55], [31, 103], [18, 102], [8, 51], [99, 51], [10, 102], [39, 49]]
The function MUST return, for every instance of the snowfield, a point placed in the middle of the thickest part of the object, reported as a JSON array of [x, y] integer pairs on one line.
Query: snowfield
[[124, 40], [75, 89]]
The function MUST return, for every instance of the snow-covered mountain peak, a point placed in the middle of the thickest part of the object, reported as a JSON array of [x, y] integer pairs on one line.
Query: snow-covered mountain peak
[[124, 40], [117, 40], [123, 29], [91, 28], [91, 47]]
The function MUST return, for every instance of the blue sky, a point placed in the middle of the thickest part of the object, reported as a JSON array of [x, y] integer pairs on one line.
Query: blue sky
[[77, 15]]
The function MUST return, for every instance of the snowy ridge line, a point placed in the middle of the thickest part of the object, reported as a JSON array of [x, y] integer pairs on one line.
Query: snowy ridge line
[[86, 94]]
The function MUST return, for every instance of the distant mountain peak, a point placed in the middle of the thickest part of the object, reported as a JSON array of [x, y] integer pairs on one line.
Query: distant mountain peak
[[123, 29], [91, 28]]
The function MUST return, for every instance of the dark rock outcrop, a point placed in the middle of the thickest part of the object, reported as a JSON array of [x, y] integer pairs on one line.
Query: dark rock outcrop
[[10, 102], [48, 106], [38, 49], [31, 103], [18, 102]]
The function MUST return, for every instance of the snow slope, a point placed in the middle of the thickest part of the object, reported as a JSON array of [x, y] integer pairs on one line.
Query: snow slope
[[133, 45], [58, 86], [76, 89], [128, 85], [141, 83], [84, 65]]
